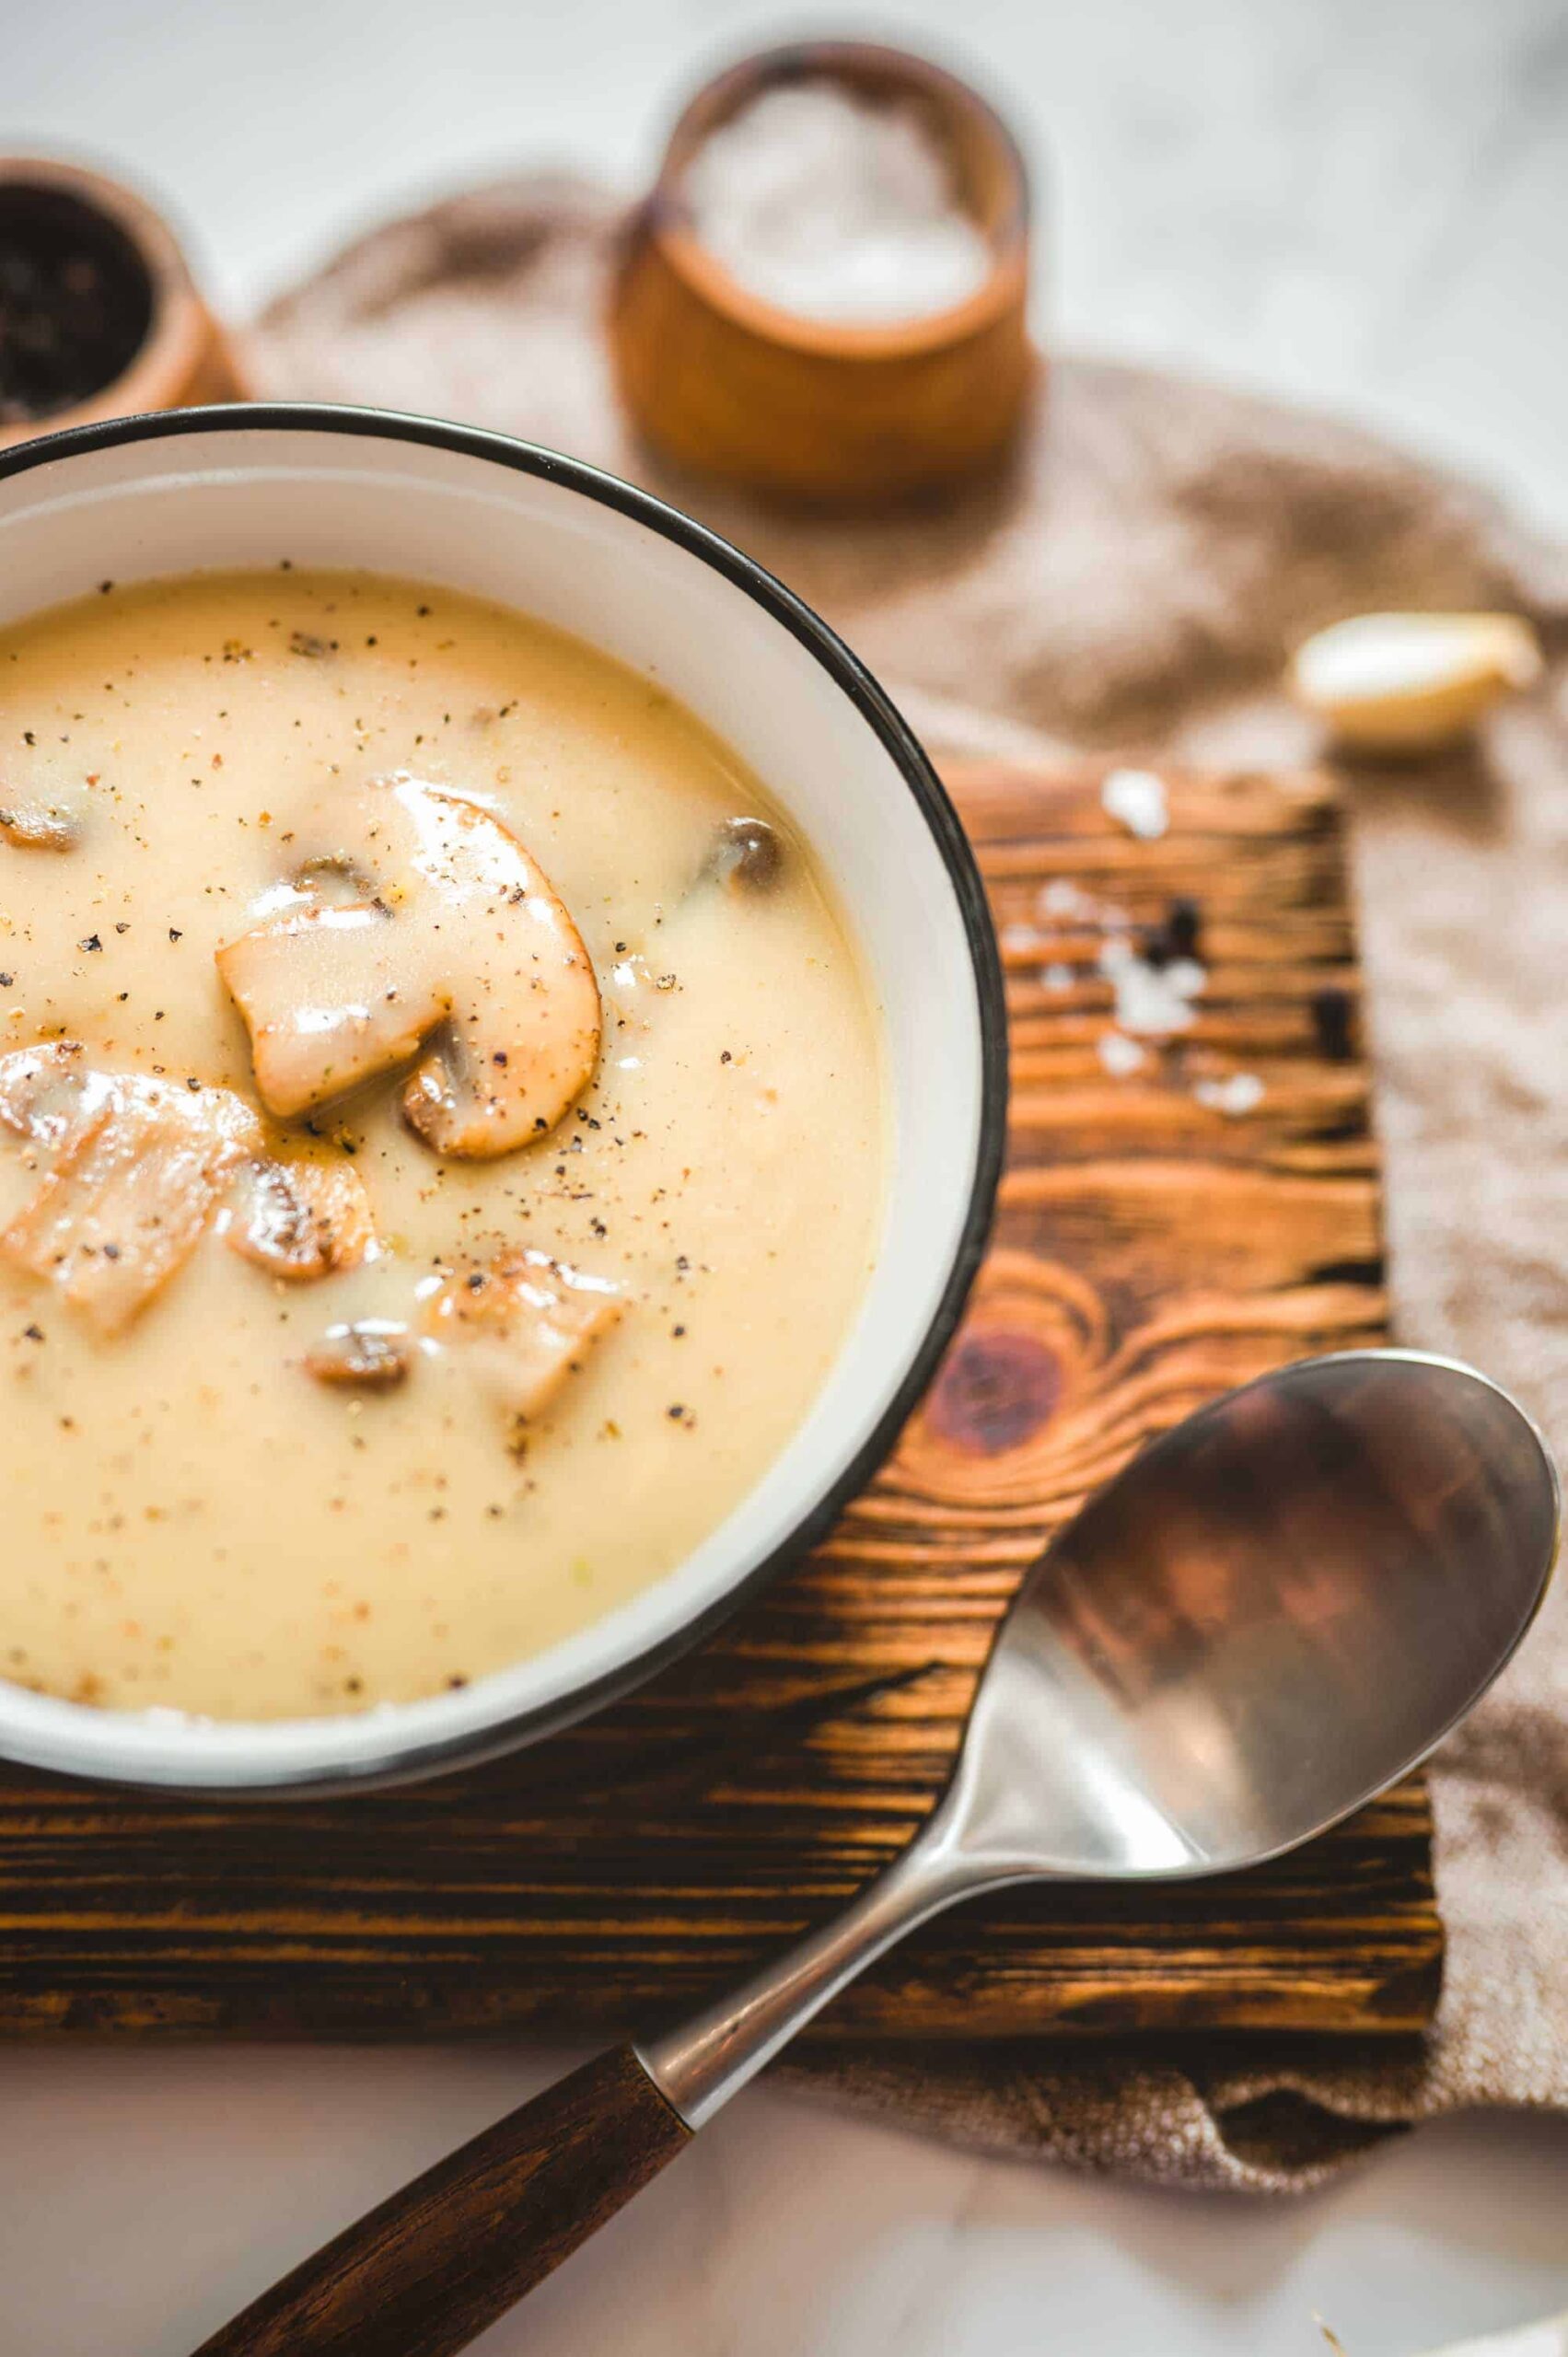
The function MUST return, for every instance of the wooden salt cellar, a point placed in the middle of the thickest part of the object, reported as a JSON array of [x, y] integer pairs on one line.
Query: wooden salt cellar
[[730, 386], [184, 357]]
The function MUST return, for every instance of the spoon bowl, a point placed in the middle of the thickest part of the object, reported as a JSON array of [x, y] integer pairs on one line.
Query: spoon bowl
[[1276, 1611], [1273, 1614]]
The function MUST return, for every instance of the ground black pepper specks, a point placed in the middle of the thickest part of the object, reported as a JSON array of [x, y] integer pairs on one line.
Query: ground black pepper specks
[[1333, 1019], [75, 302], [1179, 935]]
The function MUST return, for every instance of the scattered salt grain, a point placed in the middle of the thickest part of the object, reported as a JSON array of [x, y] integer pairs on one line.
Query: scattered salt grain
[[1056, 977], [1151, 1000], [1119, 1055], [1021, 938], [835, 208], [1238, 1094], [1061, 899], [1136, 798]]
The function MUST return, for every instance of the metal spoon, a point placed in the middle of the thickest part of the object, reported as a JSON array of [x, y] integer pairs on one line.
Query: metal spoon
[[1276, 1611]]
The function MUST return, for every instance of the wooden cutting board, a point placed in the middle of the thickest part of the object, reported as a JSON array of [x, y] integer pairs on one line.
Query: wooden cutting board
[[1151, 1251]]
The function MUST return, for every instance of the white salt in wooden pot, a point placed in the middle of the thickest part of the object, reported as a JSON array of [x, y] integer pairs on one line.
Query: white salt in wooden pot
[[729, 385]]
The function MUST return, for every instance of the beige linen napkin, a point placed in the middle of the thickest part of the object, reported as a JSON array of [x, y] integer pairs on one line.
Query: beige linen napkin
[[1135, 583]]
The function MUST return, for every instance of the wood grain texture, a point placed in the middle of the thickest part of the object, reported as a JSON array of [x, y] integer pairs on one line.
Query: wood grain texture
[[1150, 1251], [430, 2267]]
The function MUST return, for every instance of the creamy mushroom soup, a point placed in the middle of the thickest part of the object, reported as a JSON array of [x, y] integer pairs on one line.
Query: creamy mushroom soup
[[441, 1140]]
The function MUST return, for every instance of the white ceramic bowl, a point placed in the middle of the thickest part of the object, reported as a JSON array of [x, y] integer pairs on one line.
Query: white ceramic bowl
[[167, 494]]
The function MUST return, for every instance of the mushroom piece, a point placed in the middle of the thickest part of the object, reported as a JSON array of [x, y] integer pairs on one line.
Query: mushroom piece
[[526, 1322], [300, 1219], [746, 856], [48, 1095], [139, 1176], [371, 1354], [39, 826], [458, 931]]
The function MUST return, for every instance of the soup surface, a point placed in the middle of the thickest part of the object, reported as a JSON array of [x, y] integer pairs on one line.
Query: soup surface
[[323, 1387]]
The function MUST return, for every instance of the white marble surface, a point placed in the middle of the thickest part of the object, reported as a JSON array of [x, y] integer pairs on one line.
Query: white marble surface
[[1361, 200]]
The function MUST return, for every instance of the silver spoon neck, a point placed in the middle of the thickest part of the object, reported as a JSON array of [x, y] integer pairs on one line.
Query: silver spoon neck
[[698, 2064]]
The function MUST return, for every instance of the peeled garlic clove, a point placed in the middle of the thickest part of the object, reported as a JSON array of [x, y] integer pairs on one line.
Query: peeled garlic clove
[[1411, 682]]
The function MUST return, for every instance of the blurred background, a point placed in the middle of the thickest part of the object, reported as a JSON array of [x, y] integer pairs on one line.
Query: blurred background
[[1356, 201]]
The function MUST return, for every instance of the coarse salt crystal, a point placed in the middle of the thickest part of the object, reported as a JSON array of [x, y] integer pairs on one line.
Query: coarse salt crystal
[[1151, 1000], [835, 208], [1022, 938], [1239, 1092], [1136, 798], [1056, 976], [1061, 899], [1119, 1055]]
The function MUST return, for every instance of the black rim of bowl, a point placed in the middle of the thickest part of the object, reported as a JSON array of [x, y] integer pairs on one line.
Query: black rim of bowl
[[414, 1758]]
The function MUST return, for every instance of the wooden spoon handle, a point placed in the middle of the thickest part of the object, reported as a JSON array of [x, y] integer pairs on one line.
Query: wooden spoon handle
[[437, 2262]]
